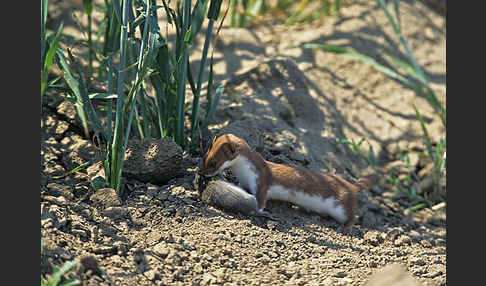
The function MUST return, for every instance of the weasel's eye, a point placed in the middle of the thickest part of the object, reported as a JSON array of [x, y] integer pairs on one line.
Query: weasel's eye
[[212, 164]]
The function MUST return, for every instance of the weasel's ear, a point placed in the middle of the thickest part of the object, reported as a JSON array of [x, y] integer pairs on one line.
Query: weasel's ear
[[229, 148]]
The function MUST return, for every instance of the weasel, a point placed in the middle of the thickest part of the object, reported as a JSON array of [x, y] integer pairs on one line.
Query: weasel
[[322, 193]]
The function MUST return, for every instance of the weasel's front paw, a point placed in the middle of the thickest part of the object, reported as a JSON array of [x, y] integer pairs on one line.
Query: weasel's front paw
[[346, 230], [266, 214]]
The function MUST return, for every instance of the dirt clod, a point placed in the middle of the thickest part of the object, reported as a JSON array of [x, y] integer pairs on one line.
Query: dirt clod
[[153, 161], [105, 198]]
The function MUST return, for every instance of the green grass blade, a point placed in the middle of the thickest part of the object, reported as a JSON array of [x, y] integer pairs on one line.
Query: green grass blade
[[159, 103], [404, 43], [84, 98], [56, 277], [44, 5], [117, 151], [197, 17], [428, 143], [212, 108], [77, 169], [182, 74], [410, 70], [73, 84], [360, 57], [195, 106], [49, 57]]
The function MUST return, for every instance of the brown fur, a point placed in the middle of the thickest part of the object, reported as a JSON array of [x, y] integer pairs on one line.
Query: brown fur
[[228, 146]]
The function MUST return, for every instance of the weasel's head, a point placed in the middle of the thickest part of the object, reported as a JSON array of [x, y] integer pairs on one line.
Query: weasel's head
[[222, 151]]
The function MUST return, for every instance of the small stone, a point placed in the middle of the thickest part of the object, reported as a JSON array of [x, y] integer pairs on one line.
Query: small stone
[[90, 263], [373, 238], [393, 234], [327, 282], [152, 275], [106, 197], [340, 274], [403, 240], [79, 232], [180, 212], [60, 190], [415, 235], [207, 279], [161, 250], [115, 212], [162, 196], [152, 190], [417, 261]]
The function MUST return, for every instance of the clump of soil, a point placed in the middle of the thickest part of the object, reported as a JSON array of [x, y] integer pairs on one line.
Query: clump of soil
[[293, 106]]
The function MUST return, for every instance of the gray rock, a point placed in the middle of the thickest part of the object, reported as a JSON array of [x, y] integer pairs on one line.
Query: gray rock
[[392, 275]]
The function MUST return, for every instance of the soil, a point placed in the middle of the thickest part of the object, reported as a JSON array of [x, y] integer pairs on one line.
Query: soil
[[293, 106]]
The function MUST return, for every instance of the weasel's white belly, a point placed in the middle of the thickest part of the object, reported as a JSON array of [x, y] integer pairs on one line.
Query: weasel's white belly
[[312, 202], [246, 173]]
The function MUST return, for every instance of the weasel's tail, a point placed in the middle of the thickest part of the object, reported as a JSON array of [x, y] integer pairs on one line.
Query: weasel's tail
[[366, 182]]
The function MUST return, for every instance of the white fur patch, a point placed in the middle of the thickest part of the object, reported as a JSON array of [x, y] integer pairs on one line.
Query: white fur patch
[[245, 171], [312, 202]]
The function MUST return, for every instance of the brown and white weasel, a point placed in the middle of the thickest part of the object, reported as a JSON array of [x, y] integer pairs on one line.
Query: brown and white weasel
[[324, 194]]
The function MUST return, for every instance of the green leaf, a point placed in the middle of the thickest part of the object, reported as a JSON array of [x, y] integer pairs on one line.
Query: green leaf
[[197, 17], [212, 108], [214, 9], [56, 277], [409, 69], [101, 95], [98, 182], [187, 37], [360, 57], [88, 6], [49, 57], [428, 143]]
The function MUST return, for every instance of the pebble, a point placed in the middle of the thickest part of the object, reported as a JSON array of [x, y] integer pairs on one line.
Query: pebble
[[55, 200], [393, 234], [403, 240], [60, 190], [79, 232], [373, 238], [115, 212], [161, 250], [417, 261], [426, 243], [106, 198]]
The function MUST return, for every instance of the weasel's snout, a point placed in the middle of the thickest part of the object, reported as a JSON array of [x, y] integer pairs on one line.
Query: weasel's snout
[[200, 169]]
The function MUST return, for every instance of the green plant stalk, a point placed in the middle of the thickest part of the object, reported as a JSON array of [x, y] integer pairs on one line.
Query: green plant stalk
[[195, 103], [44, 5], [181, 87], [138, 76], [109, 117], [85, 100], [233, 13], [112, 34], [117, 151], [48, 59], [74, 84], [88, 8]]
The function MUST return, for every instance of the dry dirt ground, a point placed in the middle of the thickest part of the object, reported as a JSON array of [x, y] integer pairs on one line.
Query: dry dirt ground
[[293, 105]]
